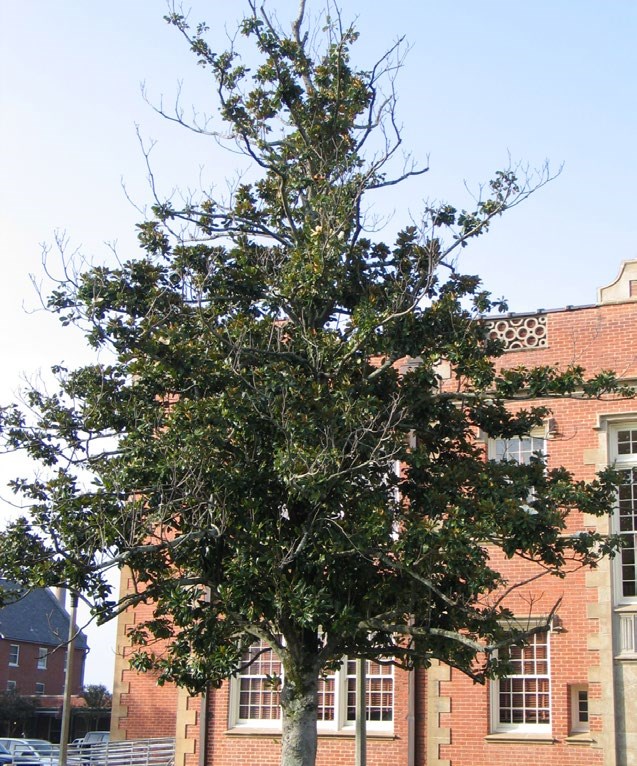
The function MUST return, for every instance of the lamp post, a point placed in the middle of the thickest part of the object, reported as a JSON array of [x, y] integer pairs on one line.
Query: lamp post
[[361, 713], [68, 682]]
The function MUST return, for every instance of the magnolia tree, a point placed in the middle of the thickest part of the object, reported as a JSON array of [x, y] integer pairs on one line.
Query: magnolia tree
[[269, 449]]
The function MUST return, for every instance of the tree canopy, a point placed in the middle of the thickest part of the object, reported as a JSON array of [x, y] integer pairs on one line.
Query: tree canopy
[[269, 448], [96, 696], [16, 713]]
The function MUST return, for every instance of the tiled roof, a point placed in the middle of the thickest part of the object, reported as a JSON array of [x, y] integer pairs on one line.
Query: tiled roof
[[38, 617]]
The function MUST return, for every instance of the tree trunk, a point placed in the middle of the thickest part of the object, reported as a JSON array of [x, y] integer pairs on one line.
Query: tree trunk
[[299, 704]]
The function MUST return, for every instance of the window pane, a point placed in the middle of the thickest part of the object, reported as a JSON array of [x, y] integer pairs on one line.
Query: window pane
[[519, 449], [261, 675], [379, 686], [259, 684], [327, 698], [524, 696], [582, 705], [627, 442], [627, 518]]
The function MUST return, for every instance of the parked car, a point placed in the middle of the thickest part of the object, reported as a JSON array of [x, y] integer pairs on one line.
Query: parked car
[[33, 752], [95, 737], [88, 749], [5, 756]]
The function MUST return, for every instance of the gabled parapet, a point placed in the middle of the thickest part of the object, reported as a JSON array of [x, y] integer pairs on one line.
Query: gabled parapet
[[624, 288]]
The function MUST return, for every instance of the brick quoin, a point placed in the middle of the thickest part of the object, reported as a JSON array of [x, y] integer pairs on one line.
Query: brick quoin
[[451, 715], [141, 708]]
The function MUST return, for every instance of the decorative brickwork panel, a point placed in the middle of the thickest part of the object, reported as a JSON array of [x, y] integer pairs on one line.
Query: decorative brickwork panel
[[521, 332]]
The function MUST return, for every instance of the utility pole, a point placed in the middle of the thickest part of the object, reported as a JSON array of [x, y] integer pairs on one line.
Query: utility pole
[[68, 682]]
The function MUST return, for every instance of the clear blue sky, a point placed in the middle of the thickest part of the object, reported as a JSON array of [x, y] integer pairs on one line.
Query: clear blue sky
[[549, 79]]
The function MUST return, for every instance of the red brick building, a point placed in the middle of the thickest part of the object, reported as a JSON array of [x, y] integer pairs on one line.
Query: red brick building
[[34, 630], [569, 702]]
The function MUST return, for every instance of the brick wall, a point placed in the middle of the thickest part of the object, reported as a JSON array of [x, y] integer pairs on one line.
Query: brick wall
[[597, 338], [27, 674], [452, 723], [141, 708], [227, 746]]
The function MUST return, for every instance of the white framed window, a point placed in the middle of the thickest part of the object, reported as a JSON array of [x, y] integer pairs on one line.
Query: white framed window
[[579, 708], [14, 655], [11, 686], [379, 691], [259, 685], [521, 701], [623, 456], [520, 448], [43, 656], [39, 688], [254, 693]]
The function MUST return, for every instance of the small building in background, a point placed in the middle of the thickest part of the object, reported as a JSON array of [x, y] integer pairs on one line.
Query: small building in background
[[34, 630]]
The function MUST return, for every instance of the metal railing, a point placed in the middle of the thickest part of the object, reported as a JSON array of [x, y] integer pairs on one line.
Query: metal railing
[[132, 752]]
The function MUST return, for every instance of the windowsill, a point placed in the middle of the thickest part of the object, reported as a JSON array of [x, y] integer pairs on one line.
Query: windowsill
[[253, 731], [625, 608], [508, 737], [580, 738], [275, 733]]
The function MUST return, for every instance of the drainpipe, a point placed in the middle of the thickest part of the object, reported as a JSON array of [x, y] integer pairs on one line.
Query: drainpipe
[[203, 708], [203, 727], [411, 718]]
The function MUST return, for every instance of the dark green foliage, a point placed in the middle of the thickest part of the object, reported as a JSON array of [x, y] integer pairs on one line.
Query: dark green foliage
[[97, 696], [16, 713], [239, 450]]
